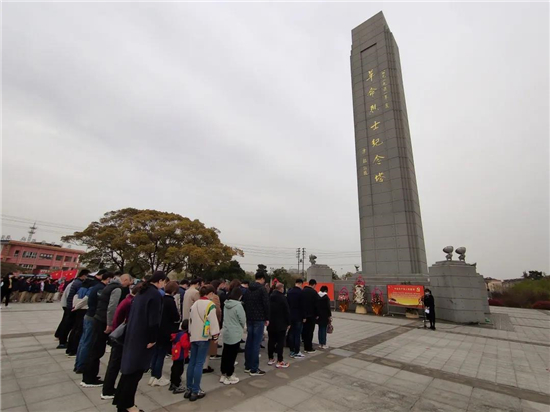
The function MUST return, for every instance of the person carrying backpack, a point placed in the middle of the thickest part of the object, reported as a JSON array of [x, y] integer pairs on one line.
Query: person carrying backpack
[[180, 351]]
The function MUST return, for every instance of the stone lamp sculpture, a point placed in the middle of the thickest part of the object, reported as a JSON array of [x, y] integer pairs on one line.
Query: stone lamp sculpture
[[449, 251], [461, 252]]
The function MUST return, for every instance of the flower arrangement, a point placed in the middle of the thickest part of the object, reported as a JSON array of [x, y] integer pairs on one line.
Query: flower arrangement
[[343, 299], [376, 302], [359, 291], [343, 295]]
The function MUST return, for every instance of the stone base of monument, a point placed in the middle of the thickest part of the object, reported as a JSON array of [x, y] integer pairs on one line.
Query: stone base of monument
[[459, 291], [321, 273]]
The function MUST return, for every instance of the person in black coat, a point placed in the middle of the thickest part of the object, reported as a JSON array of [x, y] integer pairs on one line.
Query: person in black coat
[[294, 298], [429, 303], [325, 316], [169, 324], [141, 336], [279, 322], [310, 305]]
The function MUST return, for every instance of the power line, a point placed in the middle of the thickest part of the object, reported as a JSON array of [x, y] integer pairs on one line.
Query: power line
[[40, 222]]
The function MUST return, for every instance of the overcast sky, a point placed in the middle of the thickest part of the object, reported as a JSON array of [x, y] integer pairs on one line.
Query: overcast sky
[[240, 115]]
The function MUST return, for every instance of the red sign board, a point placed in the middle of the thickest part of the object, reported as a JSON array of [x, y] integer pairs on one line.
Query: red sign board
[[330, 287], [409, 296]]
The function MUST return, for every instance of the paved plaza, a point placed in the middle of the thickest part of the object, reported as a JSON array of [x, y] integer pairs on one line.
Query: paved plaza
[[374, 364]]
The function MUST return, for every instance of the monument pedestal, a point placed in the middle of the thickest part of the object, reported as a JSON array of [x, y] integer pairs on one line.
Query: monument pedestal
[[459, 292], [321, 273]]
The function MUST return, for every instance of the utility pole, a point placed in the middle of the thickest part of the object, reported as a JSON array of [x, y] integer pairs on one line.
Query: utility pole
[[303, 260], [298, 257], [32, 231]]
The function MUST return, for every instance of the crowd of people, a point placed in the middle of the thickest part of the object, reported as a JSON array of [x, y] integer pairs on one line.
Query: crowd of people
[[27, 289], [190, 320]]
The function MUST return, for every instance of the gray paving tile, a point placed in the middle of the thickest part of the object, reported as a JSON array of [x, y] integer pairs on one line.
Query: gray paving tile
[[288, 395], [12, 399], [260, 404], [43, 393]]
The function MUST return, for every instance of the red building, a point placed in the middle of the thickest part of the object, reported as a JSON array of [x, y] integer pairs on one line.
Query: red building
[[39, 257]]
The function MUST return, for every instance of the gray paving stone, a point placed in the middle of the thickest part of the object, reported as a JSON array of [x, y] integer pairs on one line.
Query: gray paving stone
[[288, 395], [9, 385], [41, 379], [71, 403], [497, 400], [16, 409], [429, 405], [260, 404], [310, 384], [12, 399], [319, 404], [42, 393]]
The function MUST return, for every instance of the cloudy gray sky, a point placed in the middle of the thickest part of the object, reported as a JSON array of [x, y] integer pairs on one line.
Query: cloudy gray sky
[[240, 115]]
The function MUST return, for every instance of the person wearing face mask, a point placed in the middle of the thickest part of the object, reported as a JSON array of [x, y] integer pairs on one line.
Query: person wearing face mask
[[429, 303]]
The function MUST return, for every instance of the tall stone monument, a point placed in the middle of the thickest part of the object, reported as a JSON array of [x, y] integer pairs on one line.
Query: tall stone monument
[[392, 241]]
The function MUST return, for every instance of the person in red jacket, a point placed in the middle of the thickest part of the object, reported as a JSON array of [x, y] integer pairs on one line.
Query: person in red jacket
[[180, 351]]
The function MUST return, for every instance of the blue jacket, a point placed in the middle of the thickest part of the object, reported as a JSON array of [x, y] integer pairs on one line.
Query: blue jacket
[[295, 302]]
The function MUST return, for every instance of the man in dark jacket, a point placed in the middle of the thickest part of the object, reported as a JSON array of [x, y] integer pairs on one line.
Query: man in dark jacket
[[108, 300], [80, 311], [294, 297], [279, 322], [310, 303], [256, 306], [88, 323], [71, 316]]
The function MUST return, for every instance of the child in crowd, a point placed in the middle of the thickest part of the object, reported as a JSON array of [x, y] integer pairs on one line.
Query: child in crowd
[[180, 351]]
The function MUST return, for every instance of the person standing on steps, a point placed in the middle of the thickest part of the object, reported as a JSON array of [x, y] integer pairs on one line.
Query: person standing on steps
[[310, 299], [279, 323]]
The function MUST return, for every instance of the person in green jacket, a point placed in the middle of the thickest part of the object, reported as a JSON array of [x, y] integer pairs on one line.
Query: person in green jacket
[[234, 322]]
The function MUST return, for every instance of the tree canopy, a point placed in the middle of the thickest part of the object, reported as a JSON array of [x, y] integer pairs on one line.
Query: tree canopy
[[534, 275], [151, 240]]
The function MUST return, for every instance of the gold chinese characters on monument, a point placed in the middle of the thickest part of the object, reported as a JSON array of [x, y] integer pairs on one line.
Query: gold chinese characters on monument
[[373, 105]]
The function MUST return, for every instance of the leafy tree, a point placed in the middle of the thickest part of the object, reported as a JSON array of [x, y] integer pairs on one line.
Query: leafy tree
[[347, 275], [534, 275], [108, 240], [283, 276], [335, 276], [149, 240], [231, 270]]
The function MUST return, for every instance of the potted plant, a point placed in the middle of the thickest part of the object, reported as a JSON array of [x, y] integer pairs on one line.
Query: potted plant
[[377, 301], [343, 299], [359, 295]]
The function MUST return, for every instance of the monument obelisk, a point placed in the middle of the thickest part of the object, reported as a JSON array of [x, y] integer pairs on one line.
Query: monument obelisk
[[392, 241]]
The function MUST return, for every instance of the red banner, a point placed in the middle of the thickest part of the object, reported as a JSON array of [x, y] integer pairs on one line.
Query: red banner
[[405, 295], [330, 287]]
